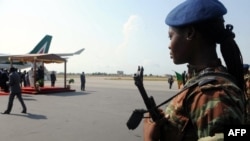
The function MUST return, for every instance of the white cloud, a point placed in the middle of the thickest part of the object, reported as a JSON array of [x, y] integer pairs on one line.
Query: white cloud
[[129, 27]]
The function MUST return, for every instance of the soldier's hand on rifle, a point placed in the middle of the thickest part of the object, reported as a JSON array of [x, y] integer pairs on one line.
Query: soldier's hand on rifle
[[151, 129]]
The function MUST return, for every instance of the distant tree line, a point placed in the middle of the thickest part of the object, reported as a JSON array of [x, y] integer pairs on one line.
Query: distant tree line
[[111, 74]]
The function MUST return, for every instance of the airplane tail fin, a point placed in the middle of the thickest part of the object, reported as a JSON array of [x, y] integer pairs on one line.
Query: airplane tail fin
[[42, 46], [79, 51]]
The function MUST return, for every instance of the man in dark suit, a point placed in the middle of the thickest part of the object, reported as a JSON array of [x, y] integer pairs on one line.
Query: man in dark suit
[[53, 78], [83, 81], [15, 90]]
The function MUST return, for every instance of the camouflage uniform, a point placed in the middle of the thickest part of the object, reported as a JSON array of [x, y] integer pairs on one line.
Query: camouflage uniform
[[247, 94], [207, 104]]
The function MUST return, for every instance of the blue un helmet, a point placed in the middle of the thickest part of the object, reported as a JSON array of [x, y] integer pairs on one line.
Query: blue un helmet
[[193, 11]]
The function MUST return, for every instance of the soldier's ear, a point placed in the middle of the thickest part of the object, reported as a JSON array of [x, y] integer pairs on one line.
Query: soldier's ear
[[190, 33]]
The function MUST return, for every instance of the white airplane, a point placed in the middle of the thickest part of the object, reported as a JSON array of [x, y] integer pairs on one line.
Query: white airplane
[[41, 48]]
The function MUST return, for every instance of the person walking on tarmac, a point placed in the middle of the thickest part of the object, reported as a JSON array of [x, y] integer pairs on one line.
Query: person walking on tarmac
[[15, 90], [170, 81], [214, 95]]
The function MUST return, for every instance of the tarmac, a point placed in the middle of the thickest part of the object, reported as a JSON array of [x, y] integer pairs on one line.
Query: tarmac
[[99, 113]]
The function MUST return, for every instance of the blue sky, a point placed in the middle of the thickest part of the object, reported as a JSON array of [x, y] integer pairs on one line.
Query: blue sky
[[116, 34]]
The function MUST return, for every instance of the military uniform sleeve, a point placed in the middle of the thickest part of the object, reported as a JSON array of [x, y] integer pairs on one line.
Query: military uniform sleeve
[[212, 106]]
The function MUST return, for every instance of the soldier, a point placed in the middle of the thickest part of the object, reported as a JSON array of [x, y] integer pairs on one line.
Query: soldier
[[213, 97]]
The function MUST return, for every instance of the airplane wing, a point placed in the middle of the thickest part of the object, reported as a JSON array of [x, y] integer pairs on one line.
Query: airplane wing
[[71, 54]]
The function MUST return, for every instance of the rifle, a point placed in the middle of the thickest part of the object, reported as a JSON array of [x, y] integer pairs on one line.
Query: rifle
[[137, 114]]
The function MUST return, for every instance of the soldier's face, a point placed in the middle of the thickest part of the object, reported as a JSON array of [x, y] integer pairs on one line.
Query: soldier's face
[[179, 51]]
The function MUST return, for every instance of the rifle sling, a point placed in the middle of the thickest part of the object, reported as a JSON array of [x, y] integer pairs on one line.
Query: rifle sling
[[196, 81], [192, 85]]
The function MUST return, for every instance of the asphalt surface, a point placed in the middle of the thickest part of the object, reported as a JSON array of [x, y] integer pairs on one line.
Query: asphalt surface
[[99, 113]]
